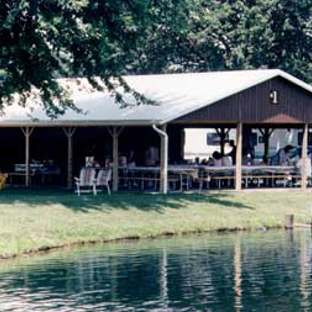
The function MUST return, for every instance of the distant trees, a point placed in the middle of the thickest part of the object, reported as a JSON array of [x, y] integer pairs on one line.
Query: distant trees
[[249, 34]]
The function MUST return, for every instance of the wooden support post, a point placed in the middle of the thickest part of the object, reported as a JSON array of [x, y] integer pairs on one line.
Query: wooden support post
[[239, 143], [304, 156], [222, 140], [27, 133], [115, 159], [69, 132], [182, 143], [115, 133], [289, 224], [266, 137]]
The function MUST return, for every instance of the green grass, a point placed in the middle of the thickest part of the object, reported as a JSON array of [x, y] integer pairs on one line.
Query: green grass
[[34, 220]]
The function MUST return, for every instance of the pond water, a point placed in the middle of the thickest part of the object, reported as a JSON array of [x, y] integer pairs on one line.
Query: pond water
[[262, 271]]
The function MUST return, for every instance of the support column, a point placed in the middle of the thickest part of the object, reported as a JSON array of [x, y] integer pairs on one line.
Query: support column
[[266, 138], [238, 171], [69, 132], [163, 158], [304, 156], [115, 159], [182, 143], [115, 132], [164, 163], [27, 133]]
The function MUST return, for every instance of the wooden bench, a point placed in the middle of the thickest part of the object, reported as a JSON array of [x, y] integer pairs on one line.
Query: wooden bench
[[220, 178], [285, 177]]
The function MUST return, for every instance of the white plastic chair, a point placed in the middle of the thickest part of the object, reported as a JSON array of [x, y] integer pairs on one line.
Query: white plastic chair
[[103, 178], [85, 182]]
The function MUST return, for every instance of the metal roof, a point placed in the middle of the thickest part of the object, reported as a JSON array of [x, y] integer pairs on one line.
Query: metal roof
[[176, 95]]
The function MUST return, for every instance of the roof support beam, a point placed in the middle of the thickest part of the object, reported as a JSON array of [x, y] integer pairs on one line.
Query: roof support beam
[[69, 132], [304, 156], [27, 133], [238, 171], [115, 133], [163, 158]]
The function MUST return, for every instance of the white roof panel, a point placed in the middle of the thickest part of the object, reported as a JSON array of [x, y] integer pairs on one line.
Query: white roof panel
[[175, 94]]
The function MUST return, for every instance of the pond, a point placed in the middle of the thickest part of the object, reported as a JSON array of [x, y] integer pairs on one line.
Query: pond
[[259, 271]]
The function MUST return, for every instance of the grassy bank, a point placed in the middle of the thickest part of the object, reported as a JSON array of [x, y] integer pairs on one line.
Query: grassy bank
[[33, 220]]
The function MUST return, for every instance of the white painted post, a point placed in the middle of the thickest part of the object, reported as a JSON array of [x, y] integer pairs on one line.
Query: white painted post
[[239, 141], [164, 163], [27, 133], [163, 158]]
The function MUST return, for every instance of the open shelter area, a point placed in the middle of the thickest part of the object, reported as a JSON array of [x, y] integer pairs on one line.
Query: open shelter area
[[141, 148]]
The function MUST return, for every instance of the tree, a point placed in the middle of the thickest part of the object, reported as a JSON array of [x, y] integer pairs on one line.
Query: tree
[[246, 34], [42, 40], [45, 39]]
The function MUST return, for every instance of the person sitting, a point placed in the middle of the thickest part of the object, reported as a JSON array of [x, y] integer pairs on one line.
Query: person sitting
[[232, 153], [217, 159], [227, 161], [282, 157]]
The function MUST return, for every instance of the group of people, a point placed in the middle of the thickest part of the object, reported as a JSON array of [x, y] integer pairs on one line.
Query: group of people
[[285, 156]]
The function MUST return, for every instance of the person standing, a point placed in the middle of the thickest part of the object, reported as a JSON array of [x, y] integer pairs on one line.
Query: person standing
[[232, 153]]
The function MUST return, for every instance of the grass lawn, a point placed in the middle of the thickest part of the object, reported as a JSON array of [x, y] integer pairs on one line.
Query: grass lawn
[[34, 220]]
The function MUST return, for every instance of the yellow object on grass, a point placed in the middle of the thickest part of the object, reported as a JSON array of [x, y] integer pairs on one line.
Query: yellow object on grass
[[3, 178]]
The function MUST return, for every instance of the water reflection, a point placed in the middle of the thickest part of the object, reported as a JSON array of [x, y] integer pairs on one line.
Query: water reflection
[[233, 272], [238, 275]]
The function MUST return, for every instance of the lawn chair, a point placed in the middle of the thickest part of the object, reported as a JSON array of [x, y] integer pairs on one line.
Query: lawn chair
[[85, 182], [103, 178]]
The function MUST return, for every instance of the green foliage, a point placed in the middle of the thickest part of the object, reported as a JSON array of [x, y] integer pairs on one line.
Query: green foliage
[[251, 34], [45, 39]]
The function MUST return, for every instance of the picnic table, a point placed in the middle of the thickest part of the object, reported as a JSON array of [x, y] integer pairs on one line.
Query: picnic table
[[258, 173], [149, 176], [145, 176]]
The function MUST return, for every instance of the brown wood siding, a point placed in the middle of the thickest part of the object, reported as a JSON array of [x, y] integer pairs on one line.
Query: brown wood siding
[[254, 106]]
